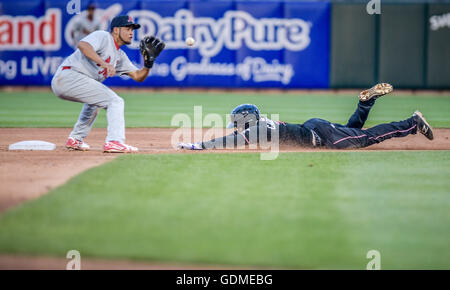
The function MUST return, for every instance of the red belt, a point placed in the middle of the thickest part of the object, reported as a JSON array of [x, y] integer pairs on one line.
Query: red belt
[[66, 67]]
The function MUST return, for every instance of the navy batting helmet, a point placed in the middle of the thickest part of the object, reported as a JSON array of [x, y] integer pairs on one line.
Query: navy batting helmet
[[244, 116]]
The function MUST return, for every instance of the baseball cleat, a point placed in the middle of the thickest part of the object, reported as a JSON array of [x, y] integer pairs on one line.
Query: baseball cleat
[[422, 125], [74, 144], [117, 147], [375, 92]]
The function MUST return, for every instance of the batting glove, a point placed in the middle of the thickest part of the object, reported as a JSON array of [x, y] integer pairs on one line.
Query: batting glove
[[190, 146]]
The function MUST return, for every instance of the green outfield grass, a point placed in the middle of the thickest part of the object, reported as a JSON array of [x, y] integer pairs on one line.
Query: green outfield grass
[[39, 109], [302, 210]]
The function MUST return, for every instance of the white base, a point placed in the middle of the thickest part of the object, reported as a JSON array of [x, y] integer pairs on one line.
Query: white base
[[32, 145]]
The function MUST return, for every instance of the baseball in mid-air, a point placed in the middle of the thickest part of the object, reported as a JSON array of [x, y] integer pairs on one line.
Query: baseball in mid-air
[[190, 41]]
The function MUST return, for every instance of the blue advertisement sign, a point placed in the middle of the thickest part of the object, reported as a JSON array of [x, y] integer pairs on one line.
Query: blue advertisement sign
[[250, 44]]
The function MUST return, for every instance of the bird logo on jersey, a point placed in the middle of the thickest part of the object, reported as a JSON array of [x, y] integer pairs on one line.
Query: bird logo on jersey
[[104, 71]]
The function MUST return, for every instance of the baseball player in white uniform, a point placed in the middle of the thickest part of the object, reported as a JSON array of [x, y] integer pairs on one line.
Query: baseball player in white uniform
[[80, 77]]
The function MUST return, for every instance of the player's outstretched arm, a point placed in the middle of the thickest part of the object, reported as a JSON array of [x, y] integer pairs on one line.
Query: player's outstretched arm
[[234, 140], [139, 75], [191, 146]]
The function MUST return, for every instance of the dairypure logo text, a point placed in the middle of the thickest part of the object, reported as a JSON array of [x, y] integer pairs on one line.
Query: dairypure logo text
[[232, 31]]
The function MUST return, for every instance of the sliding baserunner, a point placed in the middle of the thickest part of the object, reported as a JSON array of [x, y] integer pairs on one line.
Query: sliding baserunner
[[315, 132]]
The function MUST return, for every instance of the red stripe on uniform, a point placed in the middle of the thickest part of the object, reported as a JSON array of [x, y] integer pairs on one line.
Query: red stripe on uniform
[[389, 133], [115, 43], [351, 137], [393, 132]]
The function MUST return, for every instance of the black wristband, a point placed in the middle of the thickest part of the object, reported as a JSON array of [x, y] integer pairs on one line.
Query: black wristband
[[149, 64]]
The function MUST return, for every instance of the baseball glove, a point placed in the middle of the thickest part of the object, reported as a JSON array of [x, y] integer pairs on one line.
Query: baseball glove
[[150, 47]]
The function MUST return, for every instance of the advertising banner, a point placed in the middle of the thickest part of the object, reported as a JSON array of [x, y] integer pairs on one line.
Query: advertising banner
[[272, 44]]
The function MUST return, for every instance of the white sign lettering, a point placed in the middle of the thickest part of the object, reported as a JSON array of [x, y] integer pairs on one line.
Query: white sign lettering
[[440, 21], [232, 31]]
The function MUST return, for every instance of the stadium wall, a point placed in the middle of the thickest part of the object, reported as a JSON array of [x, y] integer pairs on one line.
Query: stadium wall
[[407, 45]]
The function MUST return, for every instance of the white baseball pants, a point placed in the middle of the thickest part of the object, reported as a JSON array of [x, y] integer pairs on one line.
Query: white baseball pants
[[74, 86]]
